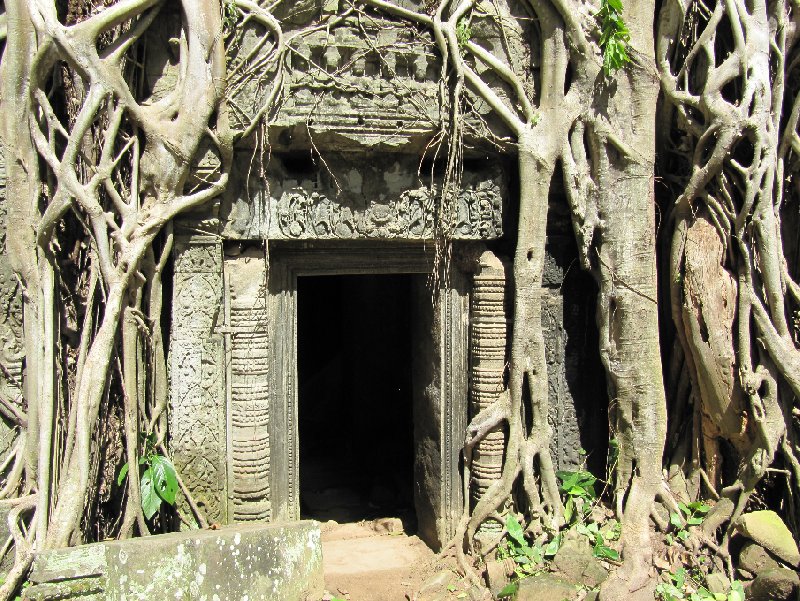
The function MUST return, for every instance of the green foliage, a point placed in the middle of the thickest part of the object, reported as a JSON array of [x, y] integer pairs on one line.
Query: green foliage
[[599, 537], [579, 489], [692, 514], [508, 590], [159, 481], [230, 15], [578, 484], [463, 31], [614, 36], [681, 585], [527, 557]]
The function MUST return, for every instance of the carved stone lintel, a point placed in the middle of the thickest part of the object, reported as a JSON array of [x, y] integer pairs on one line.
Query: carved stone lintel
[[384, 199], [304, 215], [489, 319]]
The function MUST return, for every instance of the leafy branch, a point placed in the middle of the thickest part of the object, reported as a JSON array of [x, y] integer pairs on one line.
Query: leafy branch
[[614, 37]]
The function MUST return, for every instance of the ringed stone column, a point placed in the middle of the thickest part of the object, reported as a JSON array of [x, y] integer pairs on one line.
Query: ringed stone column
[[488, 334]]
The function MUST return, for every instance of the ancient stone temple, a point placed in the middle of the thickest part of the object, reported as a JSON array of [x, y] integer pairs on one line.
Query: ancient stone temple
[[332, 321]]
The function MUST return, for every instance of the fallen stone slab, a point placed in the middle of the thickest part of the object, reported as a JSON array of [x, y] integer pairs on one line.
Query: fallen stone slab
[[243, 562]]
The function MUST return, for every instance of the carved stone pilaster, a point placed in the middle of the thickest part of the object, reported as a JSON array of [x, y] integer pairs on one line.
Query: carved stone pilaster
[[197, 410], [248, 348], [489, 328], [12, 352]]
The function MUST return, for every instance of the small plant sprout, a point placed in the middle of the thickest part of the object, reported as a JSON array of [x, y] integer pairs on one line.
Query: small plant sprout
[[691, 514], [159, 481]]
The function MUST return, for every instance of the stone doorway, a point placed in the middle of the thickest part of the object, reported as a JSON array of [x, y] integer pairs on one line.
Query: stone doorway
[[357, 336], [235, 380], [369, 277]]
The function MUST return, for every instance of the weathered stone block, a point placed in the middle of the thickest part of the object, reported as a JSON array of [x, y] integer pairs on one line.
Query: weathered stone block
[[768, 530], [576, 562], [254, 562], [774, 585], [755, 559], [546, 587]]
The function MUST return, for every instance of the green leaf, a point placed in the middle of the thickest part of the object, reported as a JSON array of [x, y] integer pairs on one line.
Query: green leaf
[[553, 546], [699, 507], [569, 510], [151, 502], [676, 520], [737, 591], [508, 590], [694, 521], [515, 531], [165, 478], [683, 535], [123, 472], [679, 578], [602, 551], [577, 484]]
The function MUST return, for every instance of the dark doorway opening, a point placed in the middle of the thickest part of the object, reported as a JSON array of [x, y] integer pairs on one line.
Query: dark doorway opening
[[355, 396]]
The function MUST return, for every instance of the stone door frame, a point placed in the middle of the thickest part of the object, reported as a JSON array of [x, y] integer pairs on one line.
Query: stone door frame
[[287, 262]]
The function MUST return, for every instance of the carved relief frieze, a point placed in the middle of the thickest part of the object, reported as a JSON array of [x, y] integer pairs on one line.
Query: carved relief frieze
[[197, 442], [381, 87], [304, 215], [385, 199]]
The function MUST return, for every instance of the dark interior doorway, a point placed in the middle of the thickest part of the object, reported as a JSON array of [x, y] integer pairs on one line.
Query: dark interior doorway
[[355, 396]]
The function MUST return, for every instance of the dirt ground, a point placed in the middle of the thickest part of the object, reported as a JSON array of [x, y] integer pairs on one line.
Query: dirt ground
[[377, 561]]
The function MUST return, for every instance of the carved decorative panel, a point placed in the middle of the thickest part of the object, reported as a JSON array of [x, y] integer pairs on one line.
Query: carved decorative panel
[[12, 352], [197, 411], [304, 215], [487, 368], [386, 198], [248, 350]]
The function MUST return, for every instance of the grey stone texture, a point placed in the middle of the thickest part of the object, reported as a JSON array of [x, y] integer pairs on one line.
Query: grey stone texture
[[253, 562], [768, 530], [780, 584], [546, 587], [756, 559], [576, 562], [198, 438], [577, 395]]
